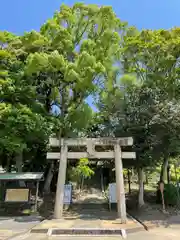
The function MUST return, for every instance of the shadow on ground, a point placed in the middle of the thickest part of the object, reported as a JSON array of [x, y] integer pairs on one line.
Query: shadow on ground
[[92, 207], [151, 212], [88, 208]]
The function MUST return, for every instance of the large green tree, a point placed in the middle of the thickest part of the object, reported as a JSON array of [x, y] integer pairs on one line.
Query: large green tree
[[154, 58], [22, 119], [68, 58], [145, 97]]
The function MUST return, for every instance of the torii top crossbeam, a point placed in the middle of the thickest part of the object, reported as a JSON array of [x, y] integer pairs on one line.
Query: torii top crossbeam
[[64, 155], [127, 141]]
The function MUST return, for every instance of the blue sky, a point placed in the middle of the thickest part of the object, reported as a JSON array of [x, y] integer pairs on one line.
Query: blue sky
[[23, 15], [19, 16]]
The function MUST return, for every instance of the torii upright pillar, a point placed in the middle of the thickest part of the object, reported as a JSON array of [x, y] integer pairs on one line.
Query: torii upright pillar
[[64, 155], [120, 193], [59, 202]]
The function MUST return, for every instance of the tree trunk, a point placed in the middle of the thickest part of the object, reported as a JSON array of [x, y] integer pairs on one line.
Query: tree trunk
[[102, 181], [129, 181], [168, 173], [132, 172], [141, 187], [177, 184], [147, 181], [82, 184], [163, 177], [19, 161], [8, 167], [47, 184], [61, 179]]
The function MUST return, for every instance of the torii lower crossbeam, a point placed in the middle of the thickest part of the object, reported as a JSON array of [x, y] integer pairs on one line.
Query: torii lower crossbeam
[[117, 154]]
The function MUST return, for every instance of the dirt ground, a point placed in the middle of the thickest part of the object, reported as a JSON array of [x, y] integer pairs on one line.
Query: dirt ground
[[151, 212]]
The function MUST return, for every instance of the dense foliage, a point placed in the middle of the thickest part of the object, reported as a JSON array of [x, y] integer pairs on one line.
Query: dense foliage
[[85, 51]]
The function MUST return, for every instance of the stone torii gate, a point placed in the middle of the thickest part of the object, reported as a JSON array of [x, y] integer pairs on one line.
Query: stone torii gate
[[90, 143]]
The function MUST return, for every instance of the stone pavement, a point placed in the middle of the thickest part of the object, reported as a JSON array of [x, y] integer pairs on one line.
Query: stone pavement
[[17, 225], [20, 226], [86, 225], [86, 222], [155, 234]]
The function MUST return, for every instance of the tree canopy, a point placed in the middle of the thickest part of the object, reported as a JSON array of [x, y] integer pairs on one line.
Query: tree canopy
[[87, 51]]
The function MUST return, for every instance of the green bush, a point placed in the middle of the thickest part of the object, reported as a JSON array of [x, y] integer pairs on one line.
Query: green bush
[[170, 195], [173, 178]]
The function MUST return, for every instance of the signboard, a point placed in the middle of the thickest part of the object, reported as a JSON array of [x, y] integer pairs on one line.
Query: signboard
[[17, 195], [67, 194], [112, 193]]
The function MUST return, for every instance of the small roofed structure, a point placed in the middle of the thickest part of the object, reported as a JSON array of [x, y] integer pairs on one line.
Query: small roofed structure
[[17, 187], [26, 176]]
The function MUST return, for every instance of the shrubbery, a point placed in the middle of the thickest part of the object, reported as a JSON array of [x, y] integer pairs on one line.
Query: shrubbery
[[171, 196]]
